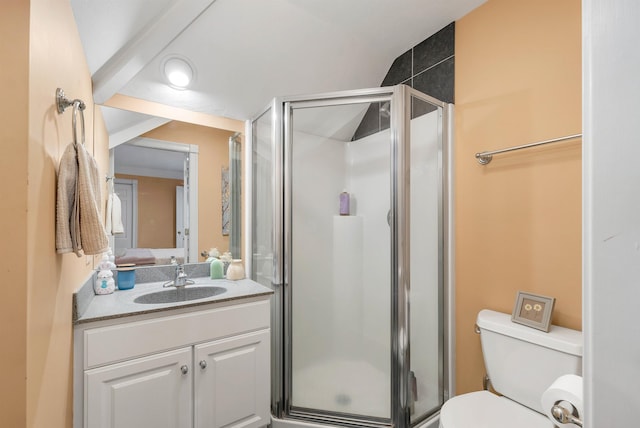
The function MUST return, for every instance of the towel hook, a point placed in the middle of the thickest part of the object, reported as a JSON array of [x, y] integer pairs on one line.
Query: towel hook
[[62, 102]]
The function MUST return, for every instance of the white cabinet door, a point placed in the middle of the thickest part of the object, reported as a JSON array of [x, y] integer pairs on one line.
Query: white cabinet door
[[151, 392], [232, 382]]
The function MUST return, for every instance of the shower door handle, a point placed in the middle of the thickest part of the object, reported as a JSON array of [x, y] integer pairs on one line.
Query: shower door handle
[[413, 385]]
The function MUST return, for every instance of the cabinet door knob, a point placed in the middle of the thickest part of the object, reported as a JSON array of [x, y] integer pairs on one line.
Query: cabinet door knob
[[203, 364], [184, 369]]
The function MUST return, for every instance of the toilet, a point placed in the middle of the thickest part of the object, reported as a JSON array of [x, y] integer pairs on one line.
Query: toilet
[[521, 363]]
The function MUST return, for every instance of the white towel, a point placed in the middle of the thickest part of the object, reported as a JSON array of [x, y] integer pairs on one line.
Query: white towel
[[114, 224]]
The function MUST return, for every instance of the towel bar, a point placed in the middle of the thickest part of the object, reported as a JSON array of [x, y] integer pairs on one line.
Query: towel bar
[[486, 157]]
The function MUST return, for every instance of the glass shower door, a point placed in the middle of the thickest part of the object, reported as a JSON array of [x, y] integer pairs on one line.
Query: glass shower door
[[339, 269], [262, 203], [264, 243], [425, 136]]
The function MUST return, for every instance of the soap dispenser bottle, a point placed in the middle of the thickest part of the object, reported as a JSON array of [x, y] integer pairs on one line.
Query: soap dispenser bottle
[[217, 269], [105, 283]]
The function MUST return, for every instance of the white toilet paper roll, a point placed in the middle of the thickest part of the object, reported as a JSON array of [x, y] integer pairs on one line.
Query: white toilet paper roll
[[567, 388]]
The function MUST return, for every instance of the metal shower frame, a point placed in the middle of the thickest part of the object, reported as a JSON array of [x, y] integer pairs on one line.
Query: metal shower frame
[[400, 97]]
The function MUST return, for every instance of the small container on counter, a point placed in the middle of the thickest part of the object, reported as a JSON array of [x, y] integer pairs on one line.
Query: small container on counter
[[235, 270], [126, 276]]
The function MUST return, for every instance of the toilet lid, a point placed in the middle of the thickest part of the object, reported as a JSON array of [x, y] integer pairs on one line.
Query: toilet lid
[[486, 410]]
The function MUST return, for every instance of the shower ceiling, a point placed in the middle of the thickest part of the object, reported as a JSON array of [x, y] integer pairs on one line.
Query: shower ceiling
[[245, 52]]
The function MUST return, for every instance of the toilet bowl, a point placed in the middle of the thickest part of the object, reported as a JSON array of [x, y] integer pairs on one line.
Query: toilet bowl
[[484, 409], [521, 363]]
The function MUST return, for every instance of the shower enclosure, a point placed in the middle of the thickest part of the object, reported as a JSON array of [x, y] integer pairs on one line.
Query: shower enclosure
[[360, 314]]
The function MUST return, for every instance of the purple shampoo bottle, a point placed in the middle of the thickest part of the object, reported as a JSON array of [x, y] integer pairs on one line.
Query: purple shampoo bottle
[[344, 203]]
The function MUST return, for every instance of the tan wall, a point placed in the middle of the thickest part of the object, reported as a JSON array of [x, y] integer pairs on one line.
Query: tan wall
[[56, 59], [41, 51], [213, 146], [518, 220], [156, 211], [14, 72]]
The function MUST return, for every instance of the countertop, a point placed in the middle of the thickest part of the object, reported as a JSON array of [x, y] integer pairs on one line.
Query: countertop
[[121, 302]]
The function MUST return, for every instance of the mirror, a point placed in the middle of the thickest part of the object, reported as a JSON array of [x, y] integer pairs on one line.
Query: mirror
[[178, 184]]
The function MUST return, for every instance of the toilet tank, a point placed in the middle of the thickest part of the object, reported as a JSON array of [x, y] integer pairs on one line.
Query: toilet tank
[[522, 362]]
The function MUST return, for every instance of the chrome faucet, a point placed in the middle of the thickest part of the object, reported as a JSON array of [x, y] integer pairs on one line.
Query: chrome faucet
[[180, 278]]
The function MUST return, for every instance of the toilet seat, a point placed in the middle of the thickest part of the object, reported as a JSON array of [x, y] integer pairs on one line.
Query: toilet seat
[[483, 409]]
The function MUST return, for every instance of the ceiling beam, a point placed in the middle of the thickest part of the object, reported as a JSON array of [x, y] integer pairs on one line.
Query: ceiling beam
[[143, 48], [125, 102], [136, 130]]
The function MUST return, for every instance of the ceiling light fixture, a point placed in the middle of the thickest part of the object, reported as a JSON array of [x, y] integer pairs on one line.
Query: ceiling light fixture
[[178, 72]]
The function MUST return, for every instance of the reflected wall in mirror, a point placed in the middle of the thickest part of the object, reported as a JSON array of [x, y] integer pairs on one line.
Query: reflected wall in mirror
[[166, 177]]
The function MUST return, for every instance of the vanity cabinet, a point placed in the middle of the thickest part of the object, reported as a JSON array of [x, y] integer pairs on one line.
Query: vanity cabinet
[[145, 392], [208, 368], [232, 382]]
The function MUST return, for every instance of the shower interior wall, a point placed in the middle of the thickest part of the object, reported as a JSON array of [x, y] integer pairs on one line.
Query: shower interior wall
[[341, 271]]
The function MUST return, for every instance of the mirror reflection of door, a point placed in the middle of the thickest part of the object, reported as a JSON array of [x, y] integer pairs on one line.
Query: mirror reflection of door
[[127, 191], [180, 216], [186, 208]]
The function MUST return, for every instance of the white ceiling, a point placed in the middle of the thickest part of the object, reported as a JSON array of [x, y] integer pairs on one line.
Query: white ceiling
[[248, 51], [245, 53]]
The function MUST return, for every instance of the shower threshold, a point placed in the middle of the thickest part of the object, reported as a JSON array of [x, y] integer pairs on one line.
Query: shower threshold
[[330, 422]]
